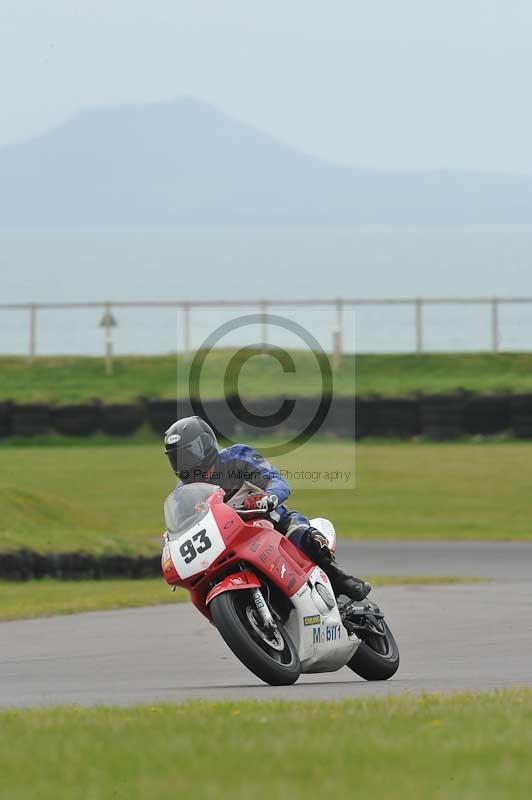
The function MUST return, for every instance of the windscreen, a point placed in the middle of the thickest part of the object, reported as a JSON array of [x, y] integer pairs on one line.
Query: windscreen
[[187, 505]]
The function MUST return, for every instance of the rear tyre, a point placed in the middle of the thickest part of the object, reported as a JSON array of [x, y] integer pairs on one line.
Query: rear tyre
[[377, 657], [277, 662]]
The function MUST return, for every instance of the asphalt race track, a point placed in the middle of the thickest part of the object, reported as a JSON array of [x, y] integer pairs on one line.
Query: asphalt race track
[[472, 636]]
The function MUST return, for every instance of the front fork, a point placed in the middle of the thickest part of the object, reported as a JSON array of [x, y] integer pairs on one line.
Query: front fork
[[262, 609]]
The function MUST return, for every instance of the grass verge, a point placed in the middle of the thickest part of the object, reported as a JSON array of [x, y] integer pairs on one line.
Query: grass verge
[[467, 746], [45, 598], [109, 499], [63, 379]]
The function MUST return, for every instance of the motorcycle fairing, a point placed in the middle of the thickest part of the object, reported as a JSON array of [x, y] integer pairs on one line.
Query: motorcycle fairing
[[197, 548], [316, 628], [256, 544], [234, 582]]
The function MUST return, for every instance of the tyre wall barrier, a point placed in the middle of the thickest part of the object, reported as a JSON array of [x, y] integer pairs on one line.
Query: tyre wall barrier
[[438, 417], [365, 414], [441, 416], [161, 413], [223, 416], [256, 414], [486, 415], [23, 565], [303, 413], [521, 416], [5, 420], [340, 420], [30, 419], [120, 419], [80, 420], [396, 417]]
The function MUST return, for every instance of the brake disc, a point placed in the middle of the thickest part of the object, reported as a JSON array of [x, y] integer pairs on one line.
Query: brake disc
[[271, 636]]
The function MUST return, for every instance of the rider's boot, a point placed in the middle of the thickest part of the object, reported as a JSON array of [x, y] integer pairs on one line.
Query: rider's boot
[[317, 547], [343, 583]]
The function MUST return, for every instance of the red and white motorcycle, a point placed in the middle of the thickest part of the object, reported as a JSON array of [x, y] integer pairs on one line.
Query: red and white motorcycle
[[273, 607]]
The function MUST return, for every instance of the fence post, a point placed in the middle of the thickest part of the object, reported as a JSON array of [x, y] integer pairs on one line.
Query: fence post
[[186, 328], [419, 325], [338, 335], [33, 332], [263, 326], [108, 341], [495, 325], [108, 322]]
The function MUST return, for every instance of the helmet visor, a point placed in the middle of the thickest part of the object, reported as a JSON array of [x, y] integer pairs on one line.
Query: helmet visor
[[187, 456]]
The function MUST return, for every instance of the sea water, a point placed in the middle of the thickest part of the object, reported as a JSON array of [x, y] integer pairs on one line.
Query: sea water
[[250, 264]]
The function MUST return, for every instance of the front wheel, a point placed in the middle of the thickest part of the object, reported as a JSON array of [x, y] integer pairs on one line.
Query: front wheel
[[270, 655], [377, 656]]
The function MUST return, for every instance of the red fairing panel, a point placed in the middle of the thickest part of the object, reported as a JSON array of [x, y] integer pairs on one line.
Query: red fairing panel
[[278, 559], [264, 551], [232, 583], [169, 571], [258, 544]]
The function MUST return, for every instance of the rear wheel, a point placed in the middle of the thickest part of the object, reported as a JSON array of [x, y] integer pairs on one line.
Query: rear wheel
[[377, 656], [269, 653]]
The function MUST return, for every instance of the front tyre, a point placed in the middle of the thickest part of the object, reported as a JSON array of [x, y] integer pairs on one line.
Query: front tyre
[[272, 657], [377, 657]]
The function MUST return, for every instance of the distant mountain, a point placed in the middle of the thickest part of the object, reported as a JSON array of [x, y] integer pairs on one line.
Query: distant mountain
[[186, 163]]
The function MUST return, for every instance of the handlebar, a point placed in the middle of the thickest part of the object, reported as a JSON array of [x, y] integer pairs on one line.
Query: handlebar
[[247, 511]]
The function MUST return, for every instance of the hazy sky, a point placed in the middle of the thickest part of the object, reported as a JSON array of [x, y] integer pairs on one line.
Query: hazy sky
[[411, 84]]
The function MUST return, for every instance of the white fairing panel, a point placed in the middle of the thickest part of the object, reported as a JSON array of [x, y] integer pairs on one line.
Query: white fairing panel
[[195, 550], [316, 628], [326, 527]]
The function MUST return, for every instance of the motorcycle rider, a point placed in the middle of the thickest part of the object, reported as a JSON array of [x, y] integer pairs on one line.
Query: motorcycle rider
[[251, 482]]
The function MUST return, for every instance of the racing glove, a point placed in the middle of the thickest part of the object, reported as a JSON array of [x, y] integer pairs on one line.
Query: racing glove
[[262, 501]]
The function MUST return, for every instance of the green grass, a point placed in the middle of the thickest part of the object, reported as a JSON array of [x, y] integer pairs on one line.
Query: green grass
[[76, 379], [463, 746], [45, 598], [443, 373], [110, 498]]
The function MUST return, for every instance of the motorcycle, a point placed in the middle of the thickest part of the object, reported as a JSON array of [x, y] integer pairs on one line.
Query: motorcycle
[[271, 604]]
